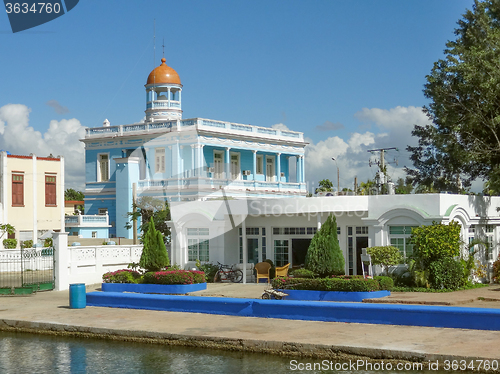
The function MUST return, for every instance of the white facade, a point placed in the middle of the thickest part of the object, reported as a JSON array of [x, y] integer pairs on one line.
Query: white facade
[[281, 229]]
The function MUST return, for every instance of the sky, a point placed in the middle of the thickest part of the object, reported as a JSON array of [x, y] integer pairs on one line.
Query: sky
[[348, 74]]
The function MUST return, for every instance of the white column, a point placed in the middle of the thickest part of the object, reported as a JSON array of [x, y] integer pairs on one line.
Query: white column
[[193, 159], [297, 170], [201, 164], [228, 163], [168, 97], [61, 260], [4, 179], [35, 202], [61, 195], [278, 167], [254, 165], [302, 169], [245, 249]]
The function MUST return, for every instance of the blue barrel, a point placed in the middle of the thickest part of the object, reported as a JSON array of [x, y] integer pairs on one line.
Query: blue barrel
[[77, 296]]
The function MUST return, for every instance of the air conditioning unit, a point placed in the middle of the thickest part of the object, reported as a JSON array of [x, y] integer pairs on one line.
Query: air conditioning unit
[[246, 172], [282, 174]]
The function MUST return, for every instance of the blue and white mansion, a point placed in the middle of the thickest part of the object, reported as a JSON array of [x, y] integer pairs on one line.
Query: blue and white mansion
[[185, 159]]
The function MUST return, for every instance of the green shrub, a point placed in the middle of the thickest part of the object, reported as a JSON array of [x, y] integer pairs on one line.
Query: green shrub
[[386, 283], [154, 255], [326, 284], [386, 256], [302, 273], [27, 244], [174, 277], [436, 242], [10, 243], [209, 269], [324, 256], [122, 276], [446, 273], [48, 242], [496, 270]]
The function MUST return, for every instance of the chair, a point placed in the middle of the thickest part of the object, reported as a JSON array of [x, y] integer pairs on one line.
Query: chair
[[262, 270], [282, 271]]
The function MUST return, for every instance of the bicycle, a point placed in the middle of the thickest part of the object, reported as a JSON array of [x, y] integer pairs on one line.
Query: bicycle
[[227, 272]]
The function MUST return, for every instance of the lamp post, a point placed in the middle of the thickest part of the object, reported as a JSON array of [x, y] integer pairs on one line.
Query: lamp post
[[338, 176]]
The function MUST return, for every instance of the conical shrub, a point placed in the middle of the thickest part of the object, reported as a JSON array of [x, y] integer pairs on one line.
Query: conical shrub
[[154, 255], [324, 256]]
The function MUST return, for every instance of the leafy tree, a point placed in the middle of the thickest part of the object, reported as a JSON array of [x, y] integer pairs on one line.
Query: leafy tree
[[6, 229], [366, 188], [463, 141], [324, 185], [71, 194], [154, 255], [147, 208], [403, 186], [386, 256], [324, 256], [436, 242]]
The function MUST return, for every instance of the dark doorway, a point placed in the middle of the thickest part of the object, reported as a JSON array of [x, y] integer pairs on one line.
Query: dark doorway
[[361, 242], [299, 251], [253, 250]]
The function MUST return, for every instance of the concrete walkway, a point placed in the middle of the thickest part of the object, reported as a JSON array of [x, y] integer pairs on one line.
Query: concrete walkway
[[48, 312]]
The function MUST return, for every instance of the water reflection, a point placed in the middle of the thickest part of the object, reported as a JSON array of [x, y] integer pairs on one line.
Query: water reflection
[[26, 353]]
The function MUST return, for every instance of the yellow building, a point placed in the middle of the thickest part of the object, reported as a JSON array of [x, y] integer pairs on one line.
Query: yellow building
[[32, 194]]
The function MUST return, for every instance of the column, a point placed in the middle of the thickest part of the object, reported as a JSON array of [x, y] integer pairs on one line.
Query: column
[[171, 162], [228, 163], [245, 249], [168, 96], [254, 165], [34, 235], [193, 158], [298, 169], [302, 169], [61, 260], [278, 168], [182, 170], [201, 164]]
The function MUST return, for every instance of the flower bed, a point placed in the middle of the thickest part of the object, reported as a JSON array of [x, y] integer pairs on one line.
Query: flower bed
[[165, 282]]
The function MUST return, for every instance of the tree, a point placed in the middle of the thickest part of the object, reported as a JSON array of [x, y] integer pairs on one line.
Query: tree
[[367, 188], [154, 255], [324, 256], [463, 141], [324, 185], [71, 194], [403, 186], [386, 256], [147, 208]]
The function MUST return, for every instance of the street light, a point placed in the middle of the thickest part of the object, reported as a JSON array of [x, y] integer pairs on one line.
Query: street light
[[338, 176]]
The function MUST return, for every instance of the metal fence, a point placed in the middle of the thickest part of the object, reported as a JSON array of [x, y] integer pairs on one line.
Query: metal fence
[[27, 270]]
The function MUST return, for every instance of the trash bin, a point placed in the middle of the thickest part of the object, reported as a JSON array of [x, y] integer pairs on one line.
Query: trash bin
[[77, 296]]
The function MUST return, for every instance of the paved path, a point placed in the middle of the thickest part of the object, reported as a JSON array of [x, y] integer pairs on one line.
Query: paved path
[[49, 311]]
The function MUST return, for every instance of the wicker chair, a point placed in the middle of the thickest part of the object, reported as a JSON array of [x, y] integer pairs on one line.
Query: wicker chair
[[262, 270], [282, 271]]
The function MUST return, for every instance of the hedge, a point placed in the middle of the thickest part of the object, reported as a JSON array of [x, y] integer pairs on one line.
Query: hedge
[[174, 277], [327, 284]]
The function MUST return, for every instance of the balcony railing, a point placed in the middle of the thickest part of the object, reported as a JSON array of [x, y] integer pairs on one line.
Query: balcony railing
[[98, 220], [200, 123]]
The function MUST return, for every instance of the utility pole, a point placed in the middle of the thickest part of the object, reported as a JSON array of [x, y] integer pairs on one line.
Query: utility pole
[[382, 163]]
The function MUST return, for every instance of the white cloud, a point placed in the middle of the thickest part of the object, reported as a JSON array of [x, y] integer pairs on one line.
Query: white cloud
[[394, 130], [280, 126], [62, 138]]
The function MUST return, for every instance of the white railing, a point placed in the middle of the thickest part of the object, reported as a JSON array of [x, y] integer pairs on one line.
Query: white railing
[[88, 264], [98, 220], [199, 122]]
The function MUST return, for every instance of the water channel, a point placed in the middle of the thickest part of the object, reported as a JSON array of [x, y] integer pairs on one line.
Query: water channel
[[44, 354]]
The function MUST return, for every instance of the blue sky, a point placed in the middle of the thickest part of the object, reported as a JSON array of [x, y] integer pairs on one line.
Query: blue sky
[[349, 74]]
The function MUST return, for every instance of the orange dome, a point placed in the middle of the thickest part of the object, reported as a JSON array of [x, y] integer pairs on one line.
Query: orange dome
[[163, 74]]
